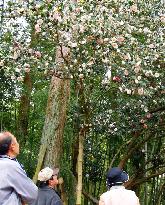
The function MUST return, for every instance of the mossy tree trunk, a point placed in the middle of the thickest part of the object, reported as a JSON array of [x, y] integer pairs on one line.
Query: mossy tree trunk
[[23, 112], [51, 149], [55, 121]]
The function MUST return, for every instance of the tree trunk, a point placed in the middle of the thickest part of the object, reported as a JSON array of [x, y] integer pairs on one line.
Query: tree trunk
[[23, 112], [79, 168], [51, 149], [55, 121], [52, 136]]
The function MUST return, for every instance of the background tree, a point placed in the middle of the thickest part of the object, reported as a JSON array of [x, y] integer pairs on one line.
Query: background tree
[[116, 52]]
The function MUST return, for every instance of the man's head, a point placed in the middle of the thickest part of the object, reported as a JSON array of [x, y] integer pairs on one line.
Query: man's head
[[49, 176], [8, 144], [116, 176]]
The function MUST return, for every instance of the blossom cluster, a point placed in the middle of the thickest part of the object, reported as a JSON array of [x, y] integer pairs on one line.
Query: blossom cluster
[[121, 43]]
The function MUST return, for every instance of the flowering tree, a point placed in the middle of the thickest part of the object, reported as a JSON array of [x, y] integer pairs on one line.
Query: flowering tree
[[114, 48]]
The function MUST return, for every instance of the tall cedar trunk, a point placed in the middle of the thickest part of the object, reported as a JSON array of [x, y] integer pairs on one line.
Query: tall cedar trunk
[[23, 112], [55, 121], [79, 168], [51, 148]]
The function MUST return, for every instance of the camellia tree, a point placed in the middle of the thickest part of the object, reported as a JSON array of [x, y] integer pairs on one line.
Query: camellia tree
[[113, 52]]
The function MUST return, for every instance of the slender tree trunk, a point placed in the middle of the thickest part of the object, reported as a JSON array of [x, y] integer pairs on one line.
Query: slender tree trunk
[[79, 167], [23, 112]]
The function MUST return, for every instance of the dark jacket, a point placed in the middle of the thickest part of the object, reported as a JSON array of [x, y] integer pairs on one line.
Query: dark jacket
[[48, 196]]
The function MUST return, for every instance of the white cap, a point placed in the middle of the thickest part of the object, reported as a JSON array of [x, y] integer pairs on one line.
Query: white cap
[[46, 173]]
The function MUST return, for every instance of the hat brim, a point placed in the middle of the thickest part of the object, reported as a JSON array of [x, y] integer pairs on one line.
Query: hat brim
[[124, 176], [56, 171]]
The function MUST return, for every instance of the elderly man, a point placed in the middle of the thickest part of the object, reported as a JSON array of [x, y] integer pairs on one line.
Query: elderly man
[[15, 187], [117, 194]]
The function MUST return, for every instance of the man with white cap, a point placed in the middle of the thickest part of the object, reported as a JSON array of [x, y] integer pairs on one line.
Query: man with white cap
[[48, 179], [117, 194]]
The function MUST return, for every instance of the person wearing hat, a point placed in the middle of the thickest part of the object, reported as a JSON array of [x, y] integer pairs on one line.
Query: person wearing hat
[[48, 179], [117, 194]]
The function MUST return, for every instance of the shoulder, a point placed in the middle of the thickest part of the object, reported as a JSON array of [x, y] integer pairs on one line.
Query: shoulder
[[8, 164], [56, 200], [130, 192], [16, 168], [105, 194], [48, 192]]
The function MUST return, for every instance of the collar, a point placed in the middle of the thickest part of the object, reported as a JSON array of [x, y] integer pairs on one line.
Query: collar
[[6, 156], [117, 187], [14, 159], [46, 187]]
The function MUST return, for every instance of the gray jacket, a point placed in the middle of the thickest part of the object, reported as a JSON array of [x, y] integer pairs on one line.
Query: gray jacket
[[14, 183], [47, 196]]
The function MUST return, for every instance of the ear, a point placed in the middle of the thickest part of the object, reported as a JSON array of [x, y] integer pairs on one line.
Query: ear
[[12, 146], [50, 182]]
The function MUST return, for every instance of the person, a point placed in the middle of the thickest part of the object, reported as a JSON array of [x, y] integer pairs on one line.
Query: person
[[117, 194], [15, 187], [48, 179]]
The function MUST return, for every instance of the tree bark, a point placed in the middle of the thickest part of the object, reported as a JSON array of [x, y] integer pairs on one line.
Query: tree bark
[[55, 121], [79, 167], [51, 148], [52, 136], [23, 112]]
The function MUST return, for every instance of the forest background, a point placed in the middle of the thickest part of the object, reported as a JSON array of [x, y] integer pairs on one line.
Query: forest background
[[82, 88]]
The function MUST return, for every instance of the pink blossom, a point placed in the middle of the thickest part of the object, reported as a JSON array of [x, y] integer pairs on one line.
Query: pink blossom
[[30, 50], [82, 29], [137, 69], [81, 76], [142, 121], [37, 54], [162, 18], [57, 16], [120, 39], [140, 91], [145, 126], [77, 10], [149, 115], [27, 68], [116, 79], [65, 51], [15, 56], [127, 57], [134, 8], [126, 72], [13, 77], [114, 45], [100, 41], [1, 63], [151, 46], [39, 21], [20, 78], [37, 28]]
